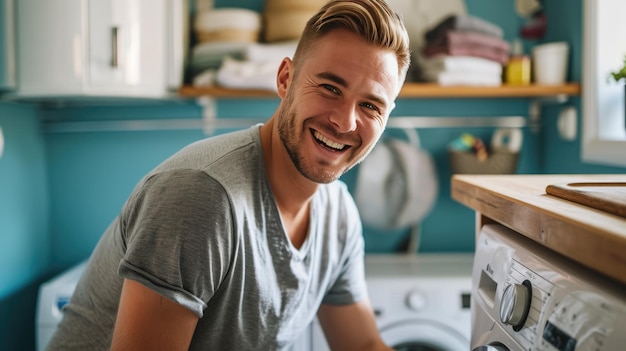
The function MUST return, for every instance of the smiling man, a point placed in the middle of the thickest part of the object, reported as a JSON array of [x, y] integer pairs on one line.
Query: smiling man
[[238, 241]]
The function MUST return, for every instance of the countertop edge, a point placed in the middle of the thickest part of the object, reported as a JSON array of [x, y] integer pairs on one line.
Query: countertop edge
[[587, 236]]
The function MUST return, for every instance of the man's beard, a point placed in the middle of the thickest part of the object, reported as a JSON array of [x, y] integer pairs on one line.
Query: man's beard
[[287, 131]]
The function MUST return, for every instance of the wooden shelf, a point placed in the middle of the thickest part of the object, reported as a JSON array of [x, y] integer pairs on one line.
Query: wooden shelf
[[218, 92], [411, 90], [422, 90]]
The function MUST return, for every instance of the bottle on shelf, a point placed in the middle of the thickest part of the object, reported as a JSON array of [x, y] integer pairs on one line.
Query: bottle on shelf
[[517, 71]]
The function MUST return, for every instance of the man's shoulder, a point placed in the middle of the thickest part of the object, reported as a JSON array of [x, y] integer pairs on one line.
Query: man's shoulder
[[224, 144], [220, 149]]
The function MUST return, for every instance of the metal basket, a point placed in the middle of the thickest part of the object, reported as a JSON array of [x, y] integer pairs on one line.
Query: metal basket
[[500, 162]]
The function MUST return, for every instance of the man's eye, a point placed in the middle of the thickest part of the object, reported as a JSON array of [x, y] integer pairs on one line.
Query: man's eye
[[331, 88], [370, 106]]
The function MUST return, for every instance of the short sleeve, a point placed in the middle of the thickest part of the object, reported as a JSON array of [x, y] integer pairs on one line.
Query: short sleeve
[[178, 233]]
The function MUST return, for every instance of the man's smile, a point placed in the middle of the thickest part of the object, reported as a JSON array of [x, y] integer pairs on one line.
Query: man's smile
[[324, 141]]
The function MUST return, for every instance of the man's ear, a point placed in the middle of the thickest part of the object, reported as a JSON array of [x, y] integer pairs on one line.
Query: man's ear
[[284, 76]]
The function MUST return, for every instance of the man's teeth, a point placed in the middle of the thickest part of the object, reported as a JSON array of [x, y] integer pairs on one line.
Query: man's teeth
[[328, 142]]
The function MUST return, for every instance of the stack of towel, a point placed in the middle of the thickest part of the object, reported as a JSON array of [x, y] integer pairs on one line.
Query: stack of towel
[[464, 50], [258, 69], [242, 65], [220, 33], [229, 54]]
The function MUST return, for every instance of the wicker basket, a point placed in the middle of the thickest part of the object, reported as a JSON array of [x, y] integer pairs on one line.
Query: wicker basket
[[497, 163]]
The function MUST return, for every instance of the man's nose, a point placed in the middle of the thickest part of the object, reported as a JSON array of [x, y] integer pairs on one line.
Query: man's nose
[[344, 118]]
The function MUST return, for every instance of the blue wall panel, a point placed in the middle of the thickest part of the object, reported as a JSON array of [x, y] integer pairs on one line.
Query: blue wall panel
[[24, 236]]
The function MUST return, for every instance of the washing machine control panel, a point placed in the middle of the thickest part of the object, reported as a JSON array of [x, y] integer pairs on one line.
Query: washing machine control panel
[[582, 320], [550, 317], [532, 295], [515, 304], [543, 303]]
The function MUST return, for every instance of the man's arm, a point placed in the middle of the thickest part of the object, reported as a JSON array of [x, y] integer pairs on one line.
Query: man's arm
[[149, 321], [351, 327]]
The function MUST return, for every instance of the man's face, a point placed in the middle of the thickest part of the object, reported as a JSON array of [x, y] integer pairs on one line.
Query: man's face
[[336, 108]]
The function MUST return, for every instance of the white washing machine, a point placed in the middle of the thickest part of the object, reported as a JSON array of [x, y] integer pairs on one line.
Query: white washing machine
[[53, 295], [421, 302], [527, 297]]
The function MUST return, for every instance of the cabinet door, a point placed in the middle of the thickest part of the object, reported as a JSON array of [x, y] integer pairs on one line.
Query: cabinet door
[[7, 45], [127, 40], [50, 47]]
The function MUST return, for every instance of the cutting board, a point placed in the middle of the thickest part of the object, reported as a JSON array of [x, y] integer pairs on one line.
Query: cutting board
[[609, 197]]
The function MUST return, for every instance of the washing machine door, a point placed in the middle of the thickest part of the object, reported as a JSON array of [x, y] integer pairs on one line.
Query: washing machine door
[[423, 335]]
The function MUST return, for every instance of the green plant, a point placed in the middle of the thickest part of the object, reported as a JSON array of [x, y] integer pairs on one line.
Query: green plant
[[621, 74]]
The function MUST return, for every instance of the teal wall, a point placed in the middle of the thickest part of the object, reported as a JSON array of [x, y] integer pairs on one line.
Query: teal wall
[[24, 222], [92, 173], [59, 191]]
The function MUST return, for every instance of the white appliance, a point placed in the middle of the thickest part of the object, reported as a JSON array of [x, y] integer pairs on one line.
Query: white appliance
[[421, 302], [108, 48], [53, 295], [527, 297]]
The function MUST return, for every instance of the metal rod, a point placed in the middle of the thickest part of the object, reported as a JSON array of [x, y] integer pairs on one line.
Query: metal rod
[[400, 122], [455, 122]]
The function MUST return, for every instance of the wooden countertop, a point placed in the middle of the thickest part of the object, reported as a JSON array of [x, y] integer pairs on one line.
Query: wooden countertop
[[591, 237]]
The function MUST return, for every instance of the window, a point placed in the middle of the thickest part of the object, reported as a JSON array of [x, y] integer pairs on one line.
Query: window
[[604, 47]]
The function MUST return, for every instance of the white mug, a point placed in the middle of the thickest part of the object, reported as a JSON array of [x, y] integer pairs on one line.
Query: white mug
[[550, 63]]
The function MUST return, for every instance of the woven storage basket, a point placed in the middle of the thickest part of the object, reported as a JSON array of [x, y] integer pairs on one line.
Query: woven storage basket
[[288, 5], [285, 25], [228, 35], [500, 162]]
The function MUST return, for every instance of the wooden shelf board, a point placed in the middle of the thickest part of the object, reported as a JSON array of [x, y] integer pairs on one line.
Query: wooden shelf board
[[410, 90], [219, 92], [423, 90]]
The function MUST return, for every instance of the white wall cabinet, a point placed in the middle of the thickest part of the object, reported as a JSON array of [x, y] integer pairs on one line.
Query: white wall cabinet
[[7, 45], [99, 48]]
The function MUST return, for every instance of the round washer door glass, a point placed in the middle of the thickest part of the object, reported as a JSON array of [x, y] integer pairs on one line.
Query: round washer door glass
[[423, 335]]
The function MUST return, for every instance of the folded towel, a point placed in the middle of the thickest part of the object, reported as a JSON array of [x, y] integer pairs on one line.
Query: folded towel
[[454, 38], [467, 23], [448, 63], [220, 48], [464, 78], [271, 52], [247, 74], [211, 55], [222, 18], [462, 49], [216, 51], [205, 78]]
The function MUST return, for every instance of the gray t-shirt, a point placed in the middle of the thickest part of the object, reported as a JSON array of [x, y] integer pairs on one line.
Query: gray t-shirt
[[203, 229]]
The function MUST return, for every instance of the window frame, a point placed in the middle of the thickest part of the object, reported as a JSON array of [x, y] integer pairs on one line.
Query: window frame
[[602, 142]]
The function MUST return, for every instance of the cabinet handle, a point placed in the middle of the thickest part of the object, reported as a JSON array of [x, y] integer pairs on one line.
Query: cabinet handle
[[114, 47]]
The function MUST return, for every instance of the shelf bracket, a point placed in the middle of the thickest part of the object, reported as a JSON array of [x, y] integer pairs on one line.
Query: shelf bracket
[[209, 114], [536, 105]]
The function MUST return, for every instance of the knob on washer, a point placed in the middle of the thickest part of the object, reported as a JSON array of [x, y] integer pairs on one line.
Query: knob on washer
[[515, 304], [416, 300]]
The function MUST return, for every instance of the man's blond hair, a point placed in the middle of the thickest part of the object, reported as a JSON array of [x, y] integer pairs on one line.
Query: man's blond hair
[[373, 20]]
